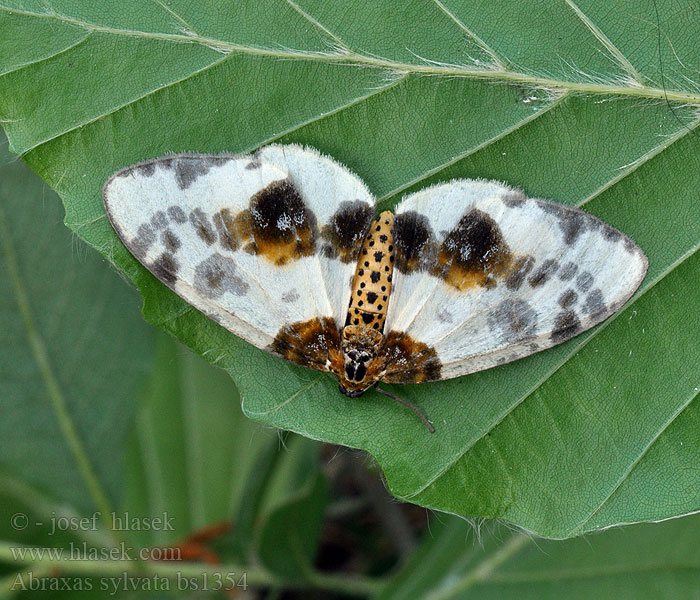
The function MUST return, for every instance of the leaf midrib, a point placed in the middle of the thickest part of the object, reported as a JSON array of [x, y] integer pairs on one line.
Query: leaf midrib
[[351, 57]]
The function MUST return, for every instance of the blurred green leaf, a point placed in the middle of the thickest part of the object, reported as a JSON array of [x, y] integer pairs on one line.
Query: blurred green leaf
[[601, 430], [458, 561], [198, 463], [191, 450], [75, 352], [293, 513]]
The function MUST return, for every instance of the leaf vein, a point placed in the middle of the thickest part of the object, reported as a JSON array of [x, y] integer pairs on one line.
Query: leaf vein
[[116, 109], [316, 23], [31, 63], [607, 43], [53, 387], [504, 133], [585, 338], [498, 64], [358, 59]]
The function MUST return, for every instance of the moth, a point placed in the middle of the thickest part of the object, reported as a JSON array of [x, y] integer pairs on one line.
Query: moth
[[283, 248]]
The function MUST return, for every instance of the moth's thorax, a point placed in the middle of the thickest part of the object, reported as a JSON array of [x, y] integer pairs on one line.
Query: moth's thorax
[[362, 335], [359, 348]]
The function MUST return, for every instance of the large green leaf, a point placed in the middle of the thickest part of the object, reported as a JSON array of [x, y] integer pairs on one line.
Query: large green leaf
[[564, 100], [654, 561]]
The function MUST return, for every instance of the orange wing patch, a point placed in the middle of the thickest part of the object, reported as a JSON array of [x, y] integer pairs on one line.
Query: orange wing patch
[[473, 254], [277, 226]]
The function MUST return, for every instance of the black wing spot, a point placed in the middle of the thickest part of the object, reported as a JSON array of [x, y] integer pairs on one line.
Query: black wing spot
[[415, 242]]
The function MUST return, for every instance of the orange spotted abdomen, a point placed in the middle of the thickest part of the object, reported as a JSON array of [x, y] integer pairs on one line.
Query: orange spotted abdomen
[[371, 285]]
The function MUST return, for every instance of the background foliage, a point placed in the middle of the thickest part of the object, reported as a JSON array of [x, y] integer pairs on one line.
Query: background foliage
[[575, 102]]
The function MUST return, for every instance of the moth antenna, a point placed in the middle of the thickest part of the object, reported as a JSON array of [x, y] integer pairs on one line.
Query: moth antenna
[[413, 407]]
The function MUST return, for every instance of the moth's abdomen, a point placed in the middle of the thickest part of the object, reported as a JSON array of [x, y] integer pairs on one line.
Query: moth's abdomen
[[371, 285]]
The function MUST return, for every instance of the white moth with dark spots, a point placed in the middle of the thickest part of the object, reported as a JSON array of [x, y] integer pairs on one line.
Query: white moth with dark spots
[[283, 248]]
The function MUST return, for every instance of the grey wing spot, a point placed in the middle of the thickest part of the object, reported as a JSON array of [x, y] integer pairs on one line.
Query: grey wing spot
[[217, 161], [290, 296], [572, 222], [594, 304], [159, 220], [514, 199], [165, 268], [445, 316], [520, 271], [225, 224], [146, 169], [610, 233], [170, 241], [630, 246], [187, 170], [516, 319], [584, 281], [566, 326], [568, 299], [542, 274], [202, 226], [177, 214], [218, 274], [568, 271], [145, 236]]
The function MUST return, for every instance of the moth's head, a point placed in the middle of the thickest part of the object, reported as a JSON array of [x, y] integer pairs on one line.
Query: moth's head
[[359, 346]]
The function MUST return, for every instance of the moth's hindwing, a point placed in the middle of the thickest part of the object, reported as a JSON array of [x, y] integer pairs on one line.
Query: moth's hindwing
[[484, 275], [258, 243]]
